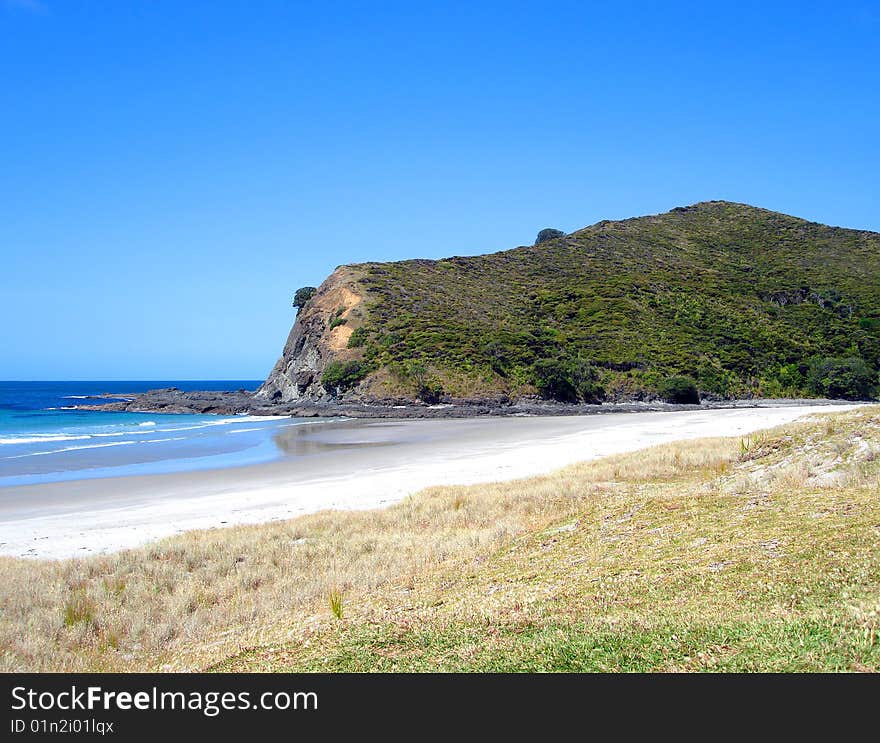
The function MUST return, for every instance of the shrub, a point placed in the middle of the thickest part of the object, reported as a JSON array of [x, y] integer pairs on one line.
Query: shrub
[[847, 378], [430, 390], [791, 377], [783, 381], [343, 375], [712, 377], [414, 372], [336, 321], [303, 295], [679, 389], [871, 324], [358, 338], [548, 234], [566, 380], [426, 387], [497, 354]]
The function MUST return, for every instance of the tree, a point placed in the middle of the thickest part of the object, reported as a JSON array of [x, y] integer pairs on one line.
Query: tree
[[849, 378], [303, 295], [548, 234], [567, 380], [679, 389]]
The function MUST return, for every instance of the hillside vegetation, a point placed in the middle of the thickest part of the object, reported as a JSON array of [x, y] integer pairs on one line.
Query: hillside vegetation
[[752, 554], [739, 300]]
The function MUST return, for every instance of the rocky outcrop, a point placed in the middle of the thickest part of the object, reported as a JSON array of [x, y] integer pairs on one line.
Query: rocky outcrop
[[174, 400], [319, 335]]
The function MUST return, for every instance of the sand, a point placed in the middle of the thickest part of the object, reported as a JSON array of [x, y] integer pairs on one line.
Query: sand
[[342, 465]]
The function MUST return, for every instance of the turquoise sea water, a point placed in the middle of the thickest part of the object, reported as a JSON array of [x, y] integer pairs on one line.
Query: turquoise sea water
[[42, 440]]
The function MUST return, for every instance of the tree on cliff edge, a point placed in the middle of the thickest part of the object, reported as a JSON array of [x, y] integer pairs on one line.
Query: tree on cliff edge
[[303, 295], [548, 234]]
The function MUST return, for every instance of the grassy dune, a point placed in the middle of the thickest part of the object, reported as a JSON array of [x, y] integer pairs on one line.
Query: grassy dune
[[722, 554]]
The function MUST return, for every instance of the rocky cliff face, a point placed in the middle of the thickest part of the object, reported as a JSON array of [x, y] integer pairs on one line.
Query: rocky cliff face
[[313, 343]]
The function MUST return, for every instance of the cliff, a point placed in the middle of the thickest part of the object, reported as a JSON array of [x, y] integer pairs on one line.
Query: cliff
[[319, 336]]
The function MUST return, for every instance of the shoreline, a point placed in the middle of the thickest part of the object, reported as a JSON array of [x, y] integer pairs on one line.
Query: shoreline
[[354, 464]]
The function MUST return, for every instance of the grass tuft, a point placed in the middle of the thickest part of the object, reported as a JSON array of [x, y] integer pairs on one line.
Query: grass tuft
[[336, 599], [79, 609]]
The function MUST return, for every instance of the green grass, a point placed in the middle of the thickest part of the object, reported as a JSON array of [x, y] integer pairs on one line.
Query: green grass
[[714, 291], [790, 645]]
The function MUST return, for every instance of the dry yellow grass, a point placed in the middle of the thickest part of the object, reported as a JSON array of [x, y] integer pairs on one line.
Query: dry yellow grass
[[622, 558]]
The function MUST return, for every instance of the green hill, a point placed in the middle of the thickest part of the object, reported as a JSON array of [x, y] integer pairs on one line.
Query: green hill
[[742, 300]]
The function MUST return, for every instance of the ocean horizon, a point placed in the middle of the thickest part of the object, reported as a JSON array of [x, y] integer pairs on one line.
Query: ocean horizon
[[44, 438]]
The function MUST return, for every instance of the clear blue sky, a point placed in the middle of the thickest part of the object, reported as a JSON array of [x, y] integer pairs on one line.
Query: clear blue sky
[[172, 171]]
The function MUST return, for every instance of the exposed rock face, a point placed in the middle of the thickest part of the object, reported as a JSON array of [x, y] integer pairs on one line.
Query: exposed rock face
[[313, 343], [831, 300]]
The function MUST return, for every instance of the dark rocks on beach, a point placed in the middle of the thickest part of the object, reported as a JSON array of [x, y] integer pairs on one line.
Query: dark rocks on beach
[[173, 400]]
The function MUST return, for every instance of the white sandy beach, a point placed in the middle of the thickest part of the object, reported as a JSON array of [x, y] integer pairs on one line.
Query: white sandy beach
[[348, 465]]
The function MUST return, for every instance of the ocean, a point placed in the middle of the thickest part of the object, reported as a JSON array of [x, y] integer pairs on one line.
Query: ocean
[[43, 440]]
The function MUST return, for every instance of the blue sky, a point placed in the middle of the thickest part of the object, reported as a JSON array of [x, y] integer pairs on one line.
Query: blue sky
[[173, 171]]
